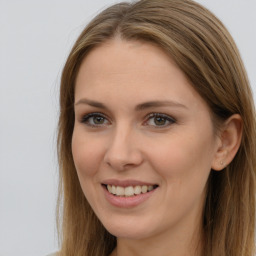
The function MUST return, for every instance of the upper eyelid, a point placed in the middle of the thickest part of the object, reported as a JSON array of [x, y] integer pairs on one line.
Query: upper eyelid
[[154, 114], [92, 114], [148, 116], [159, 114], [95, 114]]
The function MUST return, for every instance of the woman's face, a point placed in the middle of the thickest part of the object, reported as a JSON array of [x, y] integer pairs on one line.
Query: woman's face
[[143, 141]]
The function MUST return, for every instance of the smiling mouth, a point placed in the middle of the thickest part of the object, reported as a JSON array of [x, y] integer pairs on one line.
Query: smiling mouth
[[129, 191]]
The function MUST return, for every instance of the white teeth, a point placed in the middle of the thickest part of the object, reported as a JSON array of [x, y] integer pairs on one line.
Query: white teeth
[[109, 188], [137, 190], [113, 190], [144, 189], [129, 191], [119, 191], [150, 188]]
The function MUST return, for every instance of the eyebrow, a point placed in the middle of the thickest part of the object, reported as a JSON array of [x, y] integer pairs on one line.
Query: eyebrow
[[158, 103], [91, 103], [139, 107]]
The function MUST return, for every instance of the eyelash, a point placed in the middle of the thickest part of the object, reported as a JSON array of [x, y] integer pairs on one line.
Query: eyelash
[[86, 119], [167, 118]]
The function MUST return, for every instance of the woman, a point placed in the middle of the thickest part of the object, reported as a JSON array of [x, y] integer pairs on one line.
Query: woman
[[156, 136]]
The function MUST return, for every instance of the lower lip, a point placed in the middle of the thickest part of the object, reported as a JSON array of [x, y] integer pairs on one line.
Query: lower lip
[[127, 202]]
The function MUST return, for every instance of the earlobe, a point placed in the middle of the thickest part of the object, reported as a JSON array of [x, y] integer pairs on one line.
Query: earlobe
[[230, 140]]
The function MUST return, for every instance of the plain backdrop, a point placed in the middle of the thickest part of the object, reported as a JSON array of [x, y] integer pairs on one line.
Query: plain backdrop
[[35, 39]]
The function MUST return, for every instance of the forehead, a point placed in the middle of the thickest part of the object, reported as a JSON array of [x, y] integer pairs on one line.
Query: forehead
[[120, 57], [136, 70]]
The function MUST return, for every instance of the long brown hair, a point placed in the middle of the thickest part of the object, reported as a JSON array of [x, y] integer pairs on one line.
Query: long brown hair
[[204, 50]]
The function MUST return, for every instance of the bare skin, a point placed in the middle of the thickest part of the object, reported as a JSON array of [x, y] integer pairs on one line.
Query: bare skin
[[138, 120]]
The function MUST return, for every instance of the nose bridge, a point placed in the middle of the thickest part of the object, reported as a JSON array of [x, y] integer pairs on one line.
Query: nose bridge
[[123, 150]]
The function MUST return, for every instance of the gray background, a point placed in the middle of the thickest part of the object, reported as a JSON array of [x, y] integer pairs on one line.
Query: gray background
[[35, 38]]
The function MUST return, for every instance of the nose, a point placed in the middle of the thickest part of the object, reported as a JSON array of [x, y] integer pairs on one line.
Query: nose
[[123, 150]]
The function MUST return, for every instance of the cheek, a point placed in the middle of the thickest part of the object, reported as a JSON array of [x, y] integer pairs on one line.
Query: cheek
[[184, 165], [183, 157], [86, 154]]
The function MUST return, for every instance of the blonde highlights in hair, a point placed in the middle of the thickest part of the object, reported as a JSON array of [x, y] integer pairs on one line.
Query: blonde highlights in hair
[[204, 50]]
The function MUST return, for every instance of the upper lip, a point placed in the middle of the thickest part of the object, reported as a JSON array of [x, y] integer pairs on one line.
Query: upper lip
[[126, 183]]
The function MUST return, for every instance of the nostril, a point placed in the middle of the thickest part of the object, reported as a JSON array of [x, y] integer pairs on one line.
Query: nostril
[[123, 155]]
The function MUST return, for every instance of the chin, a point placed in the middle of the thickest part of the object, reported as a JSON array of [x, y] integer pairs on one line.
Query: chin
[[128, 234], [128, 230]]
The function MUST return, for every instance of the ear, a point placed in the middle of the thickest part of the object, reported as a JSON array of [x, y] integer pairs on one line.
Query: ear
[[228, 143]]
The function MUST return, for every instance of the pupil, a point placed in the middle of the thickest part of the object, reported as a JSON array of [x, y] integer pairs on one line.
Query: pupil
[[98, 120], [159, 121]]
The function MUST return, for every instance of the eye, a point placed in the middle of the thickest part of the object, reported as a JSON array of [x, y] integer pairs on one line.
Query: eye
[[159, 120], [95, 119]]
